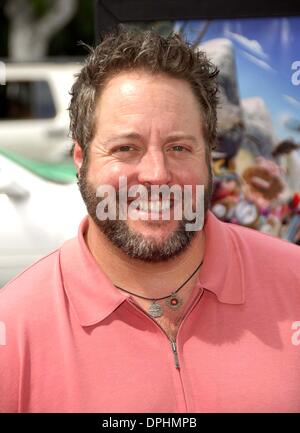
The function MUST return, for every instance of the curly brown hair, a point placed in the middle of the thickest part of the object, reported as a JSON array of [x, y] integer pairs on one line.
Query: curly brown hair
[[127, 50]]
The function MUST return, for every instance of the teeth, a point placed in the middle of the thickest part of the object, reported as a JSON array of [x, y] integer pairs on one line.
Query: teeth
[[154, 206], [165, 205]]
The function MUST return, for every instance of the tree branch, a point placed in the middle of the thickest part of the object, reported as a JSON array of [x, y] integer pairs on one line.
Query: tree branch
[[16, 10], [201, 33], [59, 14]]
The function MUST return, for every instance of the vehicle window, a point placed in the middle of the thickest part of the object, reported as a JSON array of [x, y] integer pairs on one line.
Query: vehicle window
[[21, 100]]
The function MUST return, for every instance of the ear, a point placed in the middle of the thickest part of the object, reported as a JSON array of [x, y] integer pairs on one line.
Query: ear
[[77, 156]]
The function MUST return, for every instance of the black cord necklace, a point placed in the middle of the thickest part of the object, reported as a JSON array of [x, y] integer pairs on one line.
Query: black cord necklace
[[172, 300]]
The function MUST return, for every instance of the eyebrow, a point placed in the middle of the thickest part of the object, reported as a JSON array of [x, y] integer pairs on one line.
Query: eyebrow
[[179, 136], [129, 136], [137, 136]]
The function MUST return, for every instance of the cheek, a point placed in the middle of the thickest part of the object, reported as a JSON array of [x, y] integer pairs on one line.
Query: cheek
[[196, 174], [104, 173]]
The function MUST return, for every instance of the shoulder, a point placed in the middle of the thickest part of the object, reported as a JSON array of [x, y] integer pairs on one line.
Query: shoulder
[[265, 253], [264, 242], [28, 307], [27, 292], [246, 242]]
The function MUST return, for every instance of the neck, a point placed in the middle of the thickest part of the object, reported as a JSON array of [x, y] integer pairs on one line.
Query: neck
[[146, 279]]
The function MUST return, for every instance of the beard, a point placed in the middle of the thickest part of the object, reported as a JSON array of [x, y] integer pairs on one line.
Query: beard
[[131, 242]]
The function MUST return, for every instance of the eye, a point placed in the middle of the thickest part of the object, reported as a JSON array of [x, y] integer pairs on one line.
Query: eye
[[125, 152], [178, 148], [124, 148]]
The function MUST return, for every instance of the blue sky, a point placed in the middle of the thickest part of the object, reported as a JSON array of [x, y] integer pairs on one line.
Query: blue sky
[[265, 50]]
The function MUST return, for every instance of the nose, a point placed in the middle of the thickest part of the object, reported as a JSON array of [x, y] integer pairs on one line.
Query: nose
[[153, 168]]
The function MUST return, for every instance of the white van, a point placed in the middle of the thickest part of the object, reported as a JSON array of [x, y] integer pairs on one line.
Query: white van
[[40, 207], [34, 120]]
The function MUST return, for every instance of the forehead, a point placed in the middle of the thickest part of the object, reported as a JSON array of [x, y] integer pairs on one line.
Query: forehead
[[141, 92]]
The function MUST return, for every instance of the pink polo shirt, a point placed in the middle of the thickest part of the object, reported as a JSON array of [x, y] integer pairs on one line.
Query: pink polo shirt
[[71, 342]]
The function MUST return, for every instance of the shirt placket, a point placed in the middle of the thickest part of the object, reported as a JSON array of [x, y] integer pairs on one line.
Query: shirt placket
[[184, 404]]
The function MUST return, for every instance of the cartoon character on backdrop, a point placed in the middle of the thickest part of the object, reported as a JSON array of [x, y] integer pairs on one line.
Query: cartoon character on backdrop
[[292, 221], [226, 191], [287, 154], [263, 186], [226, 196], [228, 202], [249, 199]]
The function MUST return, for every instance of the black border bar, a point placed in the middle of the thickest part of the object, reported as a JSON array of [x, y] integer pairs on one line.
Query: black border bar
[[110, 13]]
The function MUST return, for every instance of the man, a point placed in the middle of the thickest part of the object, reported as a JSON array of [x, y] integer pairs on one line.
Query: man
[[140, 314]]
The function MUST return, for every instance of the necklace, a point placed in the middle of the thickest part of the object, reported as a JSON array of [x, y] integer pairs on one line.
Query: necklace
[[173, 301]]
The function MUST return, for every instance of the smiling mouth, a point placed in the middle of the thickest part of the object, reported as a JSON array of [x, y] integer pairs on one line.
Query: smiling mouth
[[155, 206]]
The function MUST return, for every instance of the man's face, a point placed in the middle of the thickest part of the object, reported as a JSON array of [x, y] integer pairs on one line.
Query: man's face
[[148, 128]]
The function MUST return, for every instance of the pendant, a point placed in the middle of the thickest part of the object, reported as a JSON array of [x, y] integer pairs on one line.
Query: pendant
[[174, 301], [155, 310]]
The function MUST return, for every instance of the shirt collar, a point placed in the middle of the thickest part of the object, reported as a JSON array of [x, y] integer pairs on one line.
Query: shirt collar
[[90, 292], [94, 297], [222, 271]]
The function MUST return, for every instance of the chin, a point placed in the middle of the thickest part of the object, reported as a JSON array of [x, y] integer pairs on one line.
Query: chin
[[159, 230]]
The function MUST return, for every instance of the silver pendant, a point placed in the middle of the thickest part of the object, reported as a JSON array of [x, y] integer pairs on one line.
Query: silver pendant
[[155, 310], [174, 302]]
